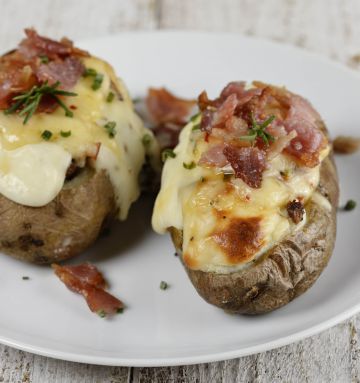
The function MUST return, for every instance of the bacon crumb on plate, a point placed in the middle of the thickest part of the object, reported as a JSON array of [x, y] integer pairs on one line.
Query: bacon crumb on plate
[[346, 145], [168, 114], [86, 279]]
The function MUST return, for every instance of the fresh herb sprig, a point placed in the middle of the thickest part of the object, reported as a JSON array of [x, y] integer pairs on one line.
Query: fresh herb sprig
[[257, 130], [27, 103]]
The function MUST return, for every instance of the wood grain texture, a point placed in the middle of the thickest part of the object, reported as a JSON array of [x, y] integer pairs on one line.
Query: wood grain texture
[[329, 27]]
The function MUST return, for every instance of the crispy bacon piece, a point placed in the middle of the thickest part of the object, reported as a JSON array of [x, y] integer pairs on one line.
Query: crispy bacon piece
[[164, 107], [238, 88], [295, 127], [21, 69], [248, 163], [296, 211], [169, 114], [67, 72], [307, 144], [35, 45], [16, 76], [214, 157], [86, 280], [280, 144]]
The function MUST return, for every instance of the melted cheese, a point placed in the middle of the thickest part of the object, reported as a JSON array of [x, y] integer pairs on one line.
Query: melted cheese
[[121, 156], [20, 183], [199, 202]]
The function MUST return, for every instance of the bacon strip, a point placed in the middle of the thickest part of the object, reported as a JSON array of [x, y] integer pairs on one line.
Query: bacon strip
[[67, 72], [22, 68], [85, 279], [35, 45], [248, 164], [169, 114], [228, 118]]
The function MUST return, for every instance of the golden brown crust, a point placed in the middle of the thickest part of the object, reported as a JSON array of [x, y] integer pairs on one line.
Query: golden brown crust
[[64, 227], [284, 272]]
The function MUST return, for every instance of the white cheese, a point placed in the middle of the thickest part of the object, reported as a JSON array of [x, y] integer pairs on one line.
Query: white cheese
[[34, 174]]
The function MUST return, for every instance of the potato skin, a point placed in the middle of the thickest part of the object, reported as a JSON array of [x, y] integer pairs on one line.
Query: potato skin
[[64, 227], [285, 271]]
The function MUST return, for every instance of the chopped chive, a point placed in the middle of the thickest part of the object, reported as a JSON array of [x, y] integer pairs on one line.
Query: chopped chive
[[120, 310], [101, 313], [89, 72], [163, 285], [196, 127], [146, 140], [25, 278], [110, 127], [350, 205], [46, 135], [110, 97], [65, 134], [44, 59], [167, 153], [194, 117], [97, 81], [190, 165]]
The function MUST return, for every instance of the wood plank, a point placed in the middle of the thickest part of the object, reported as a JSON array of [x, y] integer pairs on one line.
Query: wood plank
[[77, 19], [322, 26]]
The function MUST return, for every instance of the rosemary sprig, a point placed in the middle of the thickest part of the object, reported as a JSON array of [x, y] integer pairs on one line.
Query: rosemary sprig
[[27, 103], [257, 130]]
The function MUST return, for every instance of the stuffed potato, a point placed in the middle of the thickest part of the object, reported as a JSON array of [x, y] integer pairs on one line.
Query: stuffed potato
[[249, 196], [71, 152]]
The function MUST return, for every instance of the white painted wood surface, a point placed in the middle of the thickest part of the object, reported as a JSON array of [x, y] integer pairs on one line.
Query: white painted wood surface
[[329, 27]]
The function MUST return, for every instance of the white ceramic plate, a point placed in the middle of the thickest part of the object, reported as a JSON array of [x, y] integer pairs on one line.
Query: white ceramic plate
[[176, 326]]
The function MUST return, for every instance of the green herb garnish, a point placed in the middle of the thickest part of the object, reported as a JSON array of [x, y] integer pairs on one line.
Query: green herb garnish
[[167, 153], [89, 72], [46, 135], [110, 127], [196, 127], [110, 97], [120, 310], [97, 81], [194, 117], [65, 134], [350, 205], [25, 278], [98, 78], [101, 313], [257, 130], [163, 285], [27, 103], [146, 140], [190, 165], [44, 59]]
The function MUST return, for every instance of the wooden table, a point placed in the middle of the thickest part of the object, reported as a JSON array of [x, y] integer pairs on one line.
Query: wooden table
[[329, 27]]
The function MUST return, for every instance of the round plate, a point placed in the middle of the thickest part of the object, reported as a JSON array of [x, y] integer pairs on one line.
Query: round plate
[[176, 326]]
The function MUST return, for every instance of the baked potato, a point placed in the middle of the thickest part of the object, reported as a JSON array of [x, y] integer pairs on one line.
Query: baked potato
[[71, 149], [249, 197]]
